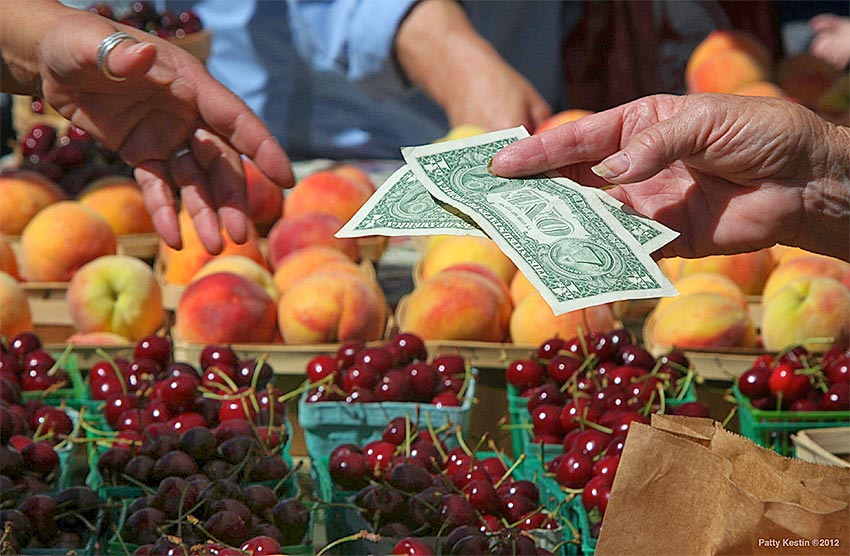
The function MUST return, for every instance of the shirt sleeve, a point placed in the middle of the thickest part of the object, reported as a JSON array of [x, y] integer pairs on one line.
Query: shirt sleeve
[[354, 37]]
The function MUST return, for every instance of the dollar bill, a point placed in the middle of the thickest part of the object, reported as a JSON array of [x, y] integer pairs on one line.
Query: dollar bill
[[563, 237], [650, 234]]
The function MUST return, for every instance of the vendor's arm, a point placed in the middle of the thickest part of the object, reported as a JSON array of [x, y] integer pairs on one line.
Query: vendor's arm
[[168, 103], [730, 173]]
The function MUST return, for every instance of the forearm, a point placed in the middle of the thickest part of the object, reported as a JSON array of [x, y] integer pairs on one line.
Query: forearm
[[826, 224], [20, 39]]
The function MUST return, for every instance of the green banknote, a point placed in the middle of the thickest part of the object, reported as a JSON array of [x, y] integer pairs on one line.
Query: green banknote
[[562, 236]]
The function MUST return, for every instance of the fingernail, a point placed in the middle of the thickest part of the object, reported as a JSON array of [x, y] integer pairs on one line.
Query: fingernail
[[613, 166]]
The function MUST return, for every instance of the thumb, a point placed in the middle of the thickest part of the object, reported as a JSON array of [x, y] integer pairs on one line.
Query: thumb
[[651, 150], [129, 59]]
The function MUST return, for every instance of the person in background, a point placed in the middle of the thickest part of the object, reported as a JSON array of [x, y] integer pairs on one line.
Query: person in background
[[149, 100], [831, 40], [730, 173]]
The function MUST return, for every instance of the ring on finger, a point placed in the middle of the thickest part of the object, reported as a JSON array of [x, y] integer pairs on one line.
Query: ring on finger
[[180, 153], [106, 46]]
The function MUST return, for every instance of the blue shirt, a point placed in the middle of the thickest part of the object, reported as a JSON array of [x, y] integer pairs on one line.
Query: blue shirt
[[321, 73]]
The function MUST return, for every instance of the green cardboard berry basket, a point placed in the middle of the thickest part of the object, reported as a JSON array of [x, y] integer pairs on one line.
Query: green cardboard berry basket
[[327, 425], [342, 519], [75, 395], [772, 429], [519, 415], [115, 546]]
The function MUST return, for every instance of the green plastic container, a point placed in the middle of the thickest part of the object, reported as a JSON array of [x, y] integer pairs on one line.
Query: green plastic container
[[773, 429], [75, 395], [327, 425]]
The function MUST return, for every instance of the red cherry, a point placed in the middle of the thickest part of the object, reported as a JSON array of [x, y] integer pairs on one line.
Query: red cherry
[[606, 466], [361, 395], [786, 382], [578, 410], [347, 353], [574, 470], [214, 378], [52, 419], [423, 379], [636, 356], [836, 398], [261, 545], [360, 376], [591, 442], [247, 368], [154, 347], [518, 506], [23, 343], [446, 399], [238, 406], [379, 455], [755, 382], [550, 348], [178, 393], [218, 355], [116, 404], [625, 375], [562, 367], [394, 387], [411, 347], [186, 421], [482, 495], [449, 364], [524, 374], [545, 420], [494, 467], [397, 431], [547, 393], [377, 358], [320, 367], [838, 370], [411, 546]]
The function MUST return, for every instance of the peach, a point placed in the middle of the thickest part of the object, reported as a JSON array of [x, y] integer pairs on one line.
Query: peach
[[783, 253], [706, 282], [457, 305], [303, 262], [814, 311], [119, 201], [355, 174], [326, 191], [562, 117], [243, 266], [316, 228], [761, 89], [726, 72], [61, 238], [467, 249], [265, 198], [748, 270], [702, 320], [117, 294], [486, 273], [331, 307], [8, 259], [805, 77], [23, 194], [810, 265], [520, 287], [225, 308], [533, 321], [15, 315], [181, 265], [721, 41], [97, 339]]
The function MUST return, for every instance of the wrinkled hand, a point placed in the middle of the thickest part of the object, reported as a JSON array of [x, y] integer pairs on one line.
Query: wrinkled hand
[[168, 102], [730, 173]]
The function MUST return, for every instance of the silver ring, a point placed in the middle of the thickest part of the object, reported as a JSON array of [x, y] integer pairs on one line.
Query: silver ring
[[106, 46], [180, 153]]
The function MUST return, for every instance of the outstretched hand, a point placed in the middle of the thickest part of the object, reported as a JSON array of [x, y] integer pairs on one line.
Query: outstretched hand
[[730, 173], [179, 127]]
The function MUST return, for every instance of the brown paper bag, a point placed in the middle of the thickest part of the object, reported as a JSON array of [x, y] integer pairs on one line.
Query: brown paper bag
[[687, 486]]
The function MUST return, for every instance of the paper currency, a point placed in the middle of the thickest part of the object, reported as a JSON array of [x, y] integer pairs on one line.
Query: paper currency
[[563, 237]]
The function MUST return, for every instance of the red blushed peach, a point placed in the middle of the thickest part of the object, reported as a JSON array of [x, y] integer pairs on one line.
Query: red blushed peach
[[181, 266], [703, 320], [811, 265], [726, 72], [326, 191], [814, 311], [97, 339], [456, 305], [303, 262], [120, 202], [292, 233], [706, 282], [22, 195], [265, 199], [721, 41], [8, 260], [748, 270], [355, 174], [467, 249], [225, 308], [118, 294], [520, 287], [562, 117], [533, 321], [15, 313], [331, 307], [484, 271], [60, 239], [243, 266]]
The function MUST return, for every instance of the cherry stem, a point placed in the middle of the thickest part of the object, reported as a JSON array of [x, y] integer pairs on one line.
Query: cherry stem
[[510, 470], [118, 374], [592, 425], [461, 442], [306, 386], [728, 418], [689, 378], [374, 537], [60, 361], [226, 379], [434, 438], [255, 377], [467, 376], [197, 523]]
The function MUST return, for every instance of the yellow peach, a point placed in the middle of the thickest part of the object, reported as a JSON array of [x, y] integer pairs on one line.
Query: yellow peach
[[243, 266], [467, 249], [120, 202], [315, 228], [303, 262], [23, 194], [706, 282], [326, 191], [8, 259], [748, 270], [15, 315], [533, 321], [520, 287], [703, 320], [811, 265]]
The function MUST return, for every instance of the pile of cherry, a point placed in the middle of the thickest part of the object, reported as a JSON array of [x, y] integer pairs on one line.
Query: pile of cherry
[[143, 14], [72, 160], [409, 486], [797, 380], [397, 371], [583, 394]]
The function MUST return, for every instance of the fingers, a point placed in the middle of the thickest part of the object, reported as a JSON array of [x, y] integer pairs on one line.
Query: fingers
[[129, 59], [159, 201]]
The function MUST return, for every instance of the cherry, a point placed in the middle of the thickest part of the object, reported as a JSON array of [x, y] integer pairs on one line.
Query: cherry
[[246, 369], [601, 346], [321, 366], [425, 454], [116, 404], [423, 379], [214, 378], [411, 347], [574, 470], [524, 374], [547, 393], [523, 488], [446, 399], [52, 419], [177, 368], [784, 381], [455, 510], [625, 375], [178, 393], [517, 506], [607, 465], [322, 394], [409, 478], [452, 383], [494, 467], [562, 367], [361, 395], [449, 364], [347, 354], [482, 496], [550, 348], [222, 356], [376, 358], [23, 343], [379, 454], [347, 467], [692, 409], [360, 376], [394, 387], [261, 545], [186, 421], [396, 432], [836, 398], [40, 458], [39, 140], [838, 370], [803, 404], [411, 546], [591, 442], [238, 406], [754, 383], [545, 420]]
